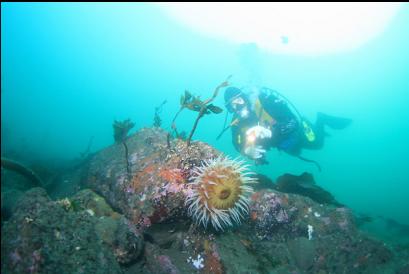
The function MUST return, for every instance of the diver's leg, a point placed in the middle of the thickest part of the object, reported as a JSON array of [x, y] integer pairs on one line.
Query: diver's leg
[[319, 131], [332, 121]]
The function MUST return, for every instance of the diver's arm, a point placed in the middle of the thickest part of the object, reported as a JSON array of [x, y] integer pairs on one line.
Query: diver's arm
[[256, 138], [237, 139]]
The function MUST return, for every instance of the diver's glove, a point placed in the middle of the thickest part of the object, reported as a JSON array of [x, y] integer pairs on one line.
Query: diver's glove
[[254, 152], [252, 135], [257, 132]]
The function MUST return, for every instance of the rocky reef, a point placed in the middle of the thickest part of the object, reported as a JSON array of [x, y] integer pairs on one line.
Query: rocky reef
[[132, 216], [77, 235]]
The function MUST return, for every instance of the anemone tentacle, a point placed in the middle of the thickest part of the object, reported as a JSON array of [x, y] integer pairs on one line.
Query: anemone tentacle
[[220, 191]]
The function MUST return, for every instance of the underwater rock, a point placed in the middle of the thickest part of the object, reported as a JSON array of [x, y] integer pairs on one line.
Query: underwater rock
[[235, 256], [88, 200], [302, 251], [194, 251], [126, 243], [111, 227], [45, 236], [269, 212], [13, 186], [289, 229], [241, 248], [42, 237], [304, 184], [264, 182], [59, 183], [403, 270], [23, 170], [275, 213], [9, 201], [158, 186], [284, 232], [158, 263]]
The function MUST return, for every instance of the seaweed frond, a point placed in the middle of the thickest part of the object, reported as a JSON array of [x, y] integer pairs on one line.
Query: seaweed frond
[[121, 129], [204, 107]]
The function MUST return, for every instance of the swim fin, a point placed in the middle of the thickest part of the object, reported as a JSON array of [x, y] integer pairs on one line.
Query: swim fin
[[332, 121]]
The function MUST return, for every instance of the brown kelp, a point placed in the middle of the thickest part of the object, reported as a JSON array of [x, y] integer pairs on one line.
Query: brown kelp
[[87, 151], [121, 130], [157, 121], [194, 103], [23, 170]]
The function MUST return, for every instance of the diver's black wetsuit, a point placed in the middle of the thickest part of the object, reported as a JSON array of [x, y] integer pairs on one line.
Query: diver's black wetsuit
[[284, 125], [239, 130], [287, 129]]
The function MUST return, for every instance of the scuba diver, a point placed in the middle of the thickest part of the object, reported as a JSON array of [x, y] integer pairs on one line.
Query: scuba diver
[[273, 121]]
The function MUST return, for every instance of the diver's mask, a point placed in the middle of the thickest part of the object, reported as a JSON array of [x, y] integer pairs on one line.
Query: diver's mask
[[239, 106]]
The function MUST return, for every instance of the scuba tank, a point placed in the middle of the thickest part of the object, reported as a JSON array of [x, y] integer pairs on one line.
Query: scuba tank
[[308, 132], [305, 124]]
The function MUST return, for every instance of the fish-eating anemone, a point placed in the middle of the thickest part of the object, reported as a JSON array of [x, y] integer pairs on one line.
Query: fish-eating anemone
[[220, 192]]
